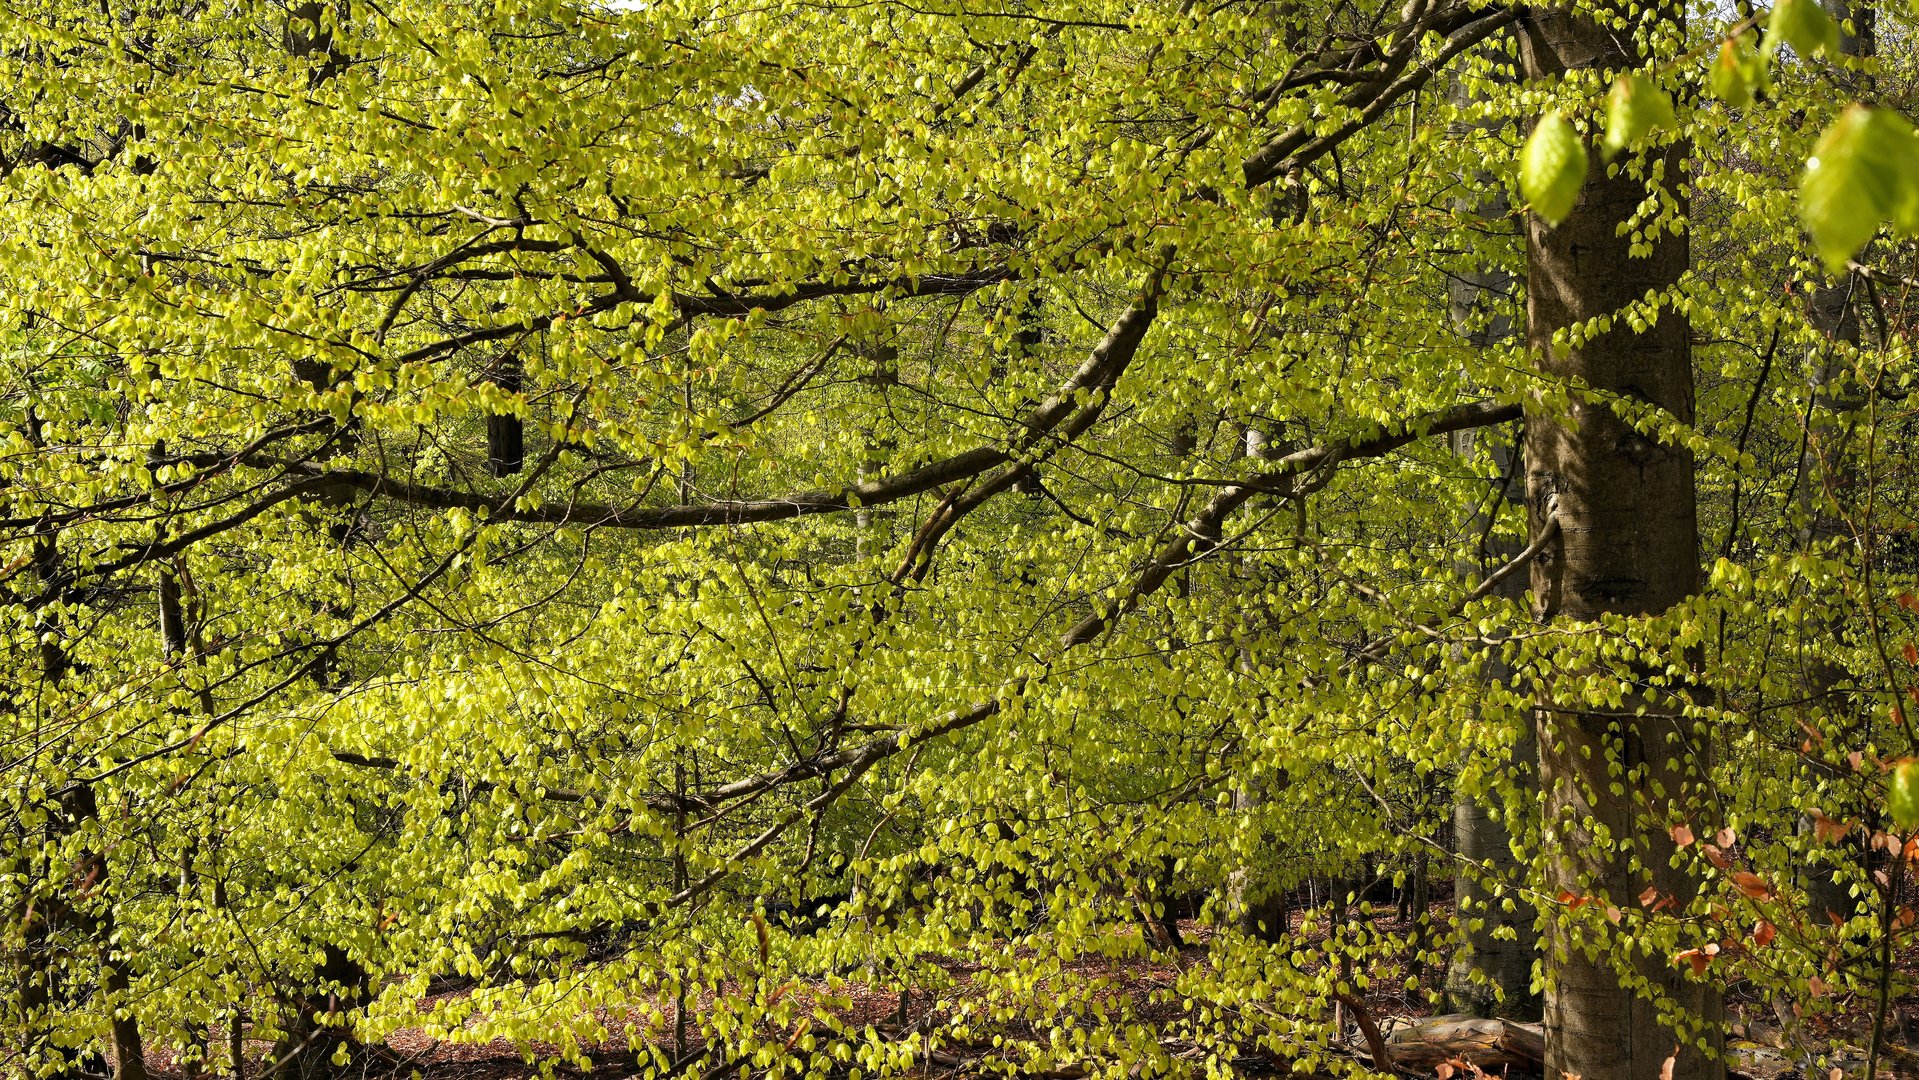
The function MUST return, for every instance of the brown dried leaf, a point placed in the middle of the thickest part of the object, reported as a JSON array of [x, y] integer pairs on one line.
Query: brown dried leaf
[[1696, 957], [1752, 885], [1826, 829]]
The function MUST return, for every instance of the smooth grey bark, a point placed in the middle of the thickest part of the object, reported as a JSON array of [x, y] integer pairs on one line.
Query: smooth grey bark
[[1624, 507], [1256, 908], [1491, 973], [1861, 37], [885, 375]]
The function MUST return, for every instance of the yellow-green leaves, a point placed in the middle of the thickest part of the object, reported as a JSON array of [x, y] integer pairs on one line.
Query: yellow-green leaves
[[1739, 72], [1863, 173], [1636, 108], [1805, 26], [1902, 795], [1552, 168]]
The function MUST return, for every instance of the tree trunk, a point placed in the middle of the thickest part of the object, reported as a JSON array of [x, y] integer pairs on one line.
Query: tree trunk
[[129, 1049], [1253, 900], [44, 993], [1257, 907], [1492, 971], [317, 1034], [1825, 478], [1501, 948], [1628, 544], [505, 432], [79, 806], [883, 378]]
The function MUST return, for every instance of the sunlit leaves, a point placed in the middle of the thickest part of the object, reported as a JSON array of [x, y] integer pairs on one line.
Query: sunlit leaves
[[1552, 167], [1862, 174], [1804, 25], [486, 762], [1902, 794], [1738, 71], [1635, 108]]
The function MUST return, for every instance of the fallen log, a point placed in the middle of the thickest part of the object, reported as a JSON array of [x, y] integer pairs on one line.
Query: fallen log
[[1424, 1045]]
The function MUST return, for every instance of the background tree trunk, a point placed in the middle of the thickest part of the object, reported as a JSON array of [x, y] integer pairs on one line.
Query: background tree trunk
[[316, 1036], [63, 907], [1491, 973], [505, 431], [1257, 907], [1825, 477]]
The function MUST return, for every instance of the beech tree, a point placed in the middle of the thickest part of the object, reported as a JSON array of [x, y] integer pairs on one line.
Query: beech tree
[[630, 527]]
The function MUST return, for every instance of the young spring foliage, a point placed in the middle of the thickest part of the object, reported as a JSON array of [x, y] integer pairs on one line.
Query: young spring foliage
[[647, 528]]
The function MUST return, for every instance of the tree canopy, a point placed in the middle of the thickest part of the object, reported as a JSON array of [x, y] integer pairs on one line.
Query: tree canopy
[[641, 524]]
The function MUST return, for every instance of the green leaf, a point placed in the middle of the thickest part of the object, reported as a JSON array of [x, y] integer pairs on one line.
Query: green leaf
[[1805, 26], [1552, 168], [1860, 175], [1733, 73], [1636, 108], [1902, 797]]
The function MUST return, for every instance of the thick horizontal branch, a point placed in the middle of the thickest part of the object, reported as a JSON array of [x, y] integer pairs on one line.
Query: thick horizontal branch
[[1099, 371], [740, 305], [206, 466]]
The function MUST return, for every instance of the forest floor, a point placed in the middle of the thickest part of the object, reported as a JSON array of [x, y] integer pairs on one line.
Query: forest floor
[[1764, 1041]]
